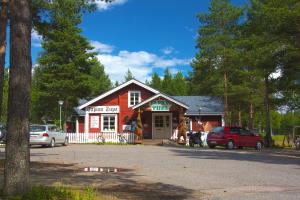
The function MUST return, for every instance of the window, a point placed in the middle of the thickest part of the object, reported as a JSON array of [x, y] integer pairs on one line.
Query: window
[[52, 128], [159, 121], [108, 123], [37, 128], [134, 97], [245, 132], [167, 121], [235, 130], [217, 130]]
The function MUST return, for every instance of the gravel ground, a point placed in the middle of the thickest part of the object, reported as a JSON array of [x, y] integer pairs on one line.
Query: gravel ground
[[159, 172]]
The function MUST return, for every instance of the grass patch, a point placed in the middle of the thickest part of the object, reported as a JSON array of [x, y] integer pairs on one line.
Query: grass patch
[[278, 141], [60, 193]]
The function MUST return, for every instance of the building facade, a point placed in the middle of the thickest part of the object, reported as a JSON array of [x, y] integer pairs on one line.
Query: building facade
[[117, 110]]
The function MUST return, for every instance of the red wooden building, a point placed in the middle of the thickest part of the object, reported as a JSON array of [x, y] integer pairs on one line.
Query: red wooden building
[[116, 111]]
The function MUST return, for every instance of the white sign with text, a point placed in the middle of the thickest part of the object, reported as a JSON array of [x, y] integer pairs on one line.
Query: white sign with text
[[103, 109], [94, 121]]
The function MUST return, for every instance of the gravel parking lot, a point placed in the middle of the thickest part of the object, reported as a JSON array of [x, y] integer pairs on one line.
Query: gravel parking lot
[[147, 172]]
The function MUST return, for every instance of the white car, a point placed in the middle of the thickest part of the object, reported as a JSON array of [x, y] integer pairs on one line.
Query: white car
[[47, 135]]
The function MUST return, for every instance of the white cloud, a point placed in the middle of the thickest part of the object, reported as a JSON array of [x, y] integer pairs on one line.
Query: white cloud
[[101, 47], [140, 63], [102, 5], [36, 39], [171, 62], [167, 50]]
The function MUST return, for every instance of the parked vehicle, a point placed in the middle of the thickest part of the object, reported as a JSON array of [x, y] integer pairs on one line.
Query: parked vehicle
[[3, 132], [297, 143], [195, 139], [47, 135], [232, 137], [296, 137]]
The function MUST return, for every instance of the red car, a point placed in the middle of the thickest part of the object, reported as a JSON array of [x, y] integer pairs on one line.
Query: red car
[[232, 137]]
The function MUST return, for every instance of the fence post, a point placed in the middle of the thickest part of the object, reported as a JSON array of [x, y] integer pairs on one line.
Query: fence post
[[77, 137]]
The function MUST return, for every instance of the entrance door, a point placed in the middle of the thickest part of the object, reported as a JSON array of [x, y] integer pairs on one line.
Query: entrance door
[[161, 125]]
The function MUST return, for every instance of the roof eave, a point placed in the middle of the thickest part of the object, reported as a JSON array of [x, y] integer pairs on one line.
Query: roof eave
[[208, 113], [115, 90], [156, 96]]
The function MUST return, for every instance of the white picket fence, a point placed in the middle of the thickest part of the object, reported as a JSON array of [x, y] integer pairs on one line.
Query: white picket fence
[[80, 138]]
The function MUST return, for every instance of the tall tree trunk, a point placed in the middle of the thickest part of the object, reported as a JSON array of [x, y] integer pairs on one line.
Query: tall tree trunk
[[268, 138], [240, 116], [16, 172], [3, 24], [66, 107], [251, 116], [225, 99]]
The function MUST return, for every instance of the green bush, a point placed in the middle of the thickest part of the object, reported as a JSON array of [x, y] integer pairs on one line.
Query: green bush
[[56, 193]]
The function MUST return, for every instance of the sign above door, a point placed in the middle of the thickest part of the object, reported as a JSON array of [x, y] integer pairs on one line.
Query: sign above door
[[160, 105]]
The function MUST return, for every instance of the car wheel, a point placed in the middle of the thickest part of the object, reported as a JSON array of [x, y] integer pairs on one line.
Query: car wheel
[[66, 143], [211, 146], [258, 145], [230, 145], [52, 143]]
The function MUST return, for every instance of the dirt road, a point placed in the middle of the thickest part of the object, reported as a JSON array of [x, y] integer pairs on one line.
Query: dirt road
[[158, 172]]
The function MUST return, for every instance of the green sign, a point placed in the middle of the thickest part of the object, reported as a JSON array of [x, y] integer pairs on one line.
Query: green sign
[[160, 105]]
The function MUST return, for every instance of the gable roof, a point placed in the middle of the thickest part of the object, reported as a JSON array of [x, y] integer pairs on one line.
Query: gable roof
[[160, 95], [208, 104], [115, 90]]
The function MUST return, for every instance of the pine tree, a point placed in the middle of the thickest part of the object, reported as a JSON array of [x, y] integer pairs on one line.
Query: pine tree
[[3, 25], [99, 82], [156, 81], [66, 68], [215, 62], [166, 85], [272, 48], [117, 84], [17, 155], [128, 76], [179, 85]]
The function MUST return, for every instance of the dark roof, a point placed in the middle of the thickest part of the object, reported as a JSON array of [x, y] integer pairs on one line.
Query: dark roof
[[80, 112], [208, 105]]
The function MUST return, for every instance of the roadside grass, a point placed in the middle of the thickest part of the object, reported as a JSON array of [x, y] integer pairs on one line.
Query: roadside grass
[[281, 141], [60, 193]]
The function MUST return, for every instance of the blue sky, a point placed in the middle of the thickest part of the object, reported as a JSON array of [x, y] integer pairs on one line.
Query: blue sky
[[144, 36]]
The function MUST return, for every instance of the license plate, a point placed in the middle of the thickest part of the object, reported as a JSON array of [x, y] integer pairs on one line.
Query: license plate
[[33, 136]]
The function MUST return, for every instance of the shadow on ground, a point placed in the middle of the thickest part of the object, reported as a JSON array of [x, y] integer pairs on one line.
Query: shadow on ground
[[120, 184], [267, 156]]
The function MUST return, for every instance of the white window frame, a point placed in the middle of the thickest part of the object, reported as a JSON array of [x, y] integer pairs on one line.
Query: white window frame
[[129, 95], [116, 122]]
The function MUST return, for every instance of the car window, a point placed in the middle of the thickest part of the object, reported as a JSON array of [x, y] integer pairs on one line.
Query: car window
[[37, 128], [245, 132], [217, 130], [53, 128], [235, 130]]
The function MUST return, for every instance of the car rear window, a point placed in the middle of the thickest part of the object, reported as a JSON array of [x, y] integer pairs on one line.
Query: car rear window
[[37, 128]]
